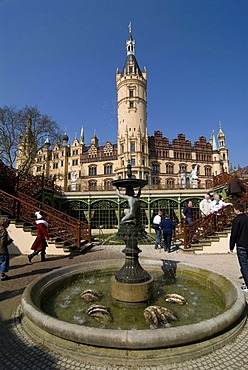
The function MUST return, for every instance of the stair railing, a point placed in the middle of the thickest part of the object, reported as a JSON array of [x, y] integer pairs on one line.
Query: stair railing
[[209, 225], [61, 225]]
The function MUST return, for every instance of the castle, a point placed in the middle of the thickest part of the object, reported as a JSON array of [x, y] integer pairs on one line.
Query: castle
[[77, 167]]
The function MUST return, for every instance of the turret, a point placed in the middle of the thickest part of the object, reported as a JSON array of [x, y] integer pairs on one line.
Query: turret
[[223, 151]]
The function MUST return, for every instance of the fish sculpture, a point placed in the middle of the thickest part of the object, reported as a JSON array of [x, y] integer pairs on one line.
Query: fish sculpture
[[91, 295], [157, 315], [100, 313], [175, 298]]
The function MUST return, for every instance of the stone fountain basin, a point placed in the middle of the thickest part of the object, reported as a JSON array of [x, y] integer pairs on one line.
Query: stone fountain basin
[[205, 336]]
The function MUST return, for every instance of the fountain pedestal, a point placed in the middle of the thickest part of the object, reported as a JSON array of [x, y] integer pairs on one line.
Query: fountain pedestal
[[132, 293], [131, 284]]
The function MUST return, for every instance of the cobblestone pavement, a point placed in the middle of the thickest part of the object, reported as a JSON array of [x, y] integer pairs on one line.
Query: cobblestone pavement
[[19, 352]]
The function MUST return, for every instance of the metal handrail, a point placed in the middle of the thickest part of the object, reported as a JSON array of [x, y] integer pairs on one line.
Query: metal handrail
[[61, 225]]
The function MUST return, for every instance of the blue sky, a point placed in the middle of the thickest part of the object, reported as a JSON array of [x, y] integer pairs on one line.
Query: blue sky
[[62, 56]]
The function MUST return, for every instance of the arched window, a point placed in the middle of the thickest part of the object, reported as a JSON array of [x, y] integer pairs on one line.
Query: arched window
[[93, 185], [108, 184], [169, 168], [155, 168], [92, 171], [208, 171], [182, 168], [108, 169], [169, 183]]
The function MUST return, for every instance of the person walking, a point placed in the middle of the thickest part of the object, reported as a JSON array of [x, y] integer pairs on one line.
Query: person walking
[[156, 226], [236, 188], [4, 253], [239, 236], [187, 212], [205, 205], [40, 243], [167, 226]]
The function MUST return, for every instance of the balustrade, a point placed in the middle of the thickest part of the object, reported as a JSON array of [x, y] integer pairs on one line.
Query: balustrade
[[61, 225]]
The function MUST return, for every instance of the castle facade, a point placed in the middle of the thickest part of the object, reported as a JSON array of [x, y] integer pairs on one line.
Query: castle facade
[[178, 164]]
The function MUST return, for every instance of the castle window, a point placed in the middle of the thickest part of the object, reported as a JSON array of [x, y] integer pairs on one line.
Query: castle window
[[75, 152], [208, 184], [131, 104], [155, 168], [62, 163], [170, 183], [155, 180], [208, 171], [132, 147], [55, 166], [131, 94], [182, 168], [130, 69], [133, 161], [92, 171], [74, 162], [169, 168], [107, 184], [108, 169], [122, 148], [92, 185], [55, 156]]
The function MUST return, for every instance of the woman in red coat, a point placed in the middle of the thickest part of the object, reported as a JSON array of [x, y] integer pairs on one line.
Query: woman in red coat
[[40, 243]]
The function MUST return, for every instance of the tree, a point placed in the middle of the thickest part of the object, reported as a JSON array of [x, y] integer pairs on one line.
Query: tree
[[23, 133]]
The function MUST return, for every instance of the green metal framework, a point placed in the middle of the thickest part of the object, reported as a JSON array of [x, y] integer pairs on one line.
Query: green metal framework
[[106, 213]]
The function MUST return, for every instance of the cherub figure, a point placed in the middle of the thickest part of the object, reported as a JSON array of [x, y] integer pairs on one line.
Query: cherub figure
[[132, 214]]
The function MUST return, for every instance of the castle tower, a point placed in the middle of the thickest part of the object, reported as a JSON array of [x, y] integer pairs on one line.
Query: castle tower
[[131, 85], [223, 150]]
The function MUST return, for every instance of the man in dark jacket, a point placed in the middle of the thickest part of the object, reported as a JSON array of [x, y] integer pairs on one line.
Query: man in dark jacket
[[187, 212], [239, 236], [167, 226], [236, 188]]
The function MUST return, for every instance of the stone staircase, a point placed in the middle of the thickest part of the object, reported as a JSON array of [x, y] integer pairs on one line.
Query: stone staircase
[[24, 234], [213, 244]]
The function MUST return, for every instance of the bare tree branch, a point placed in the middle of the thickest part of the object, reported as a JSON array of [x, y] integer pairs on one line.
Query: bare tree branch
[[14, 129]]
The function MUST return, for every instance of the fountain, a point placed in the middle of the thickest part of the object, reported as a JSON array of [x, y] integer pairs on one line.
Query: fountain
[[132, 285]]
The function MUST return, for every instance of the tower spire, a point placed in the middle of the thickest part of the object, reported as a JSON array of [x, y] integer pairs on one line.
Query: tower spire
[[130, 44], [130, 29]]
